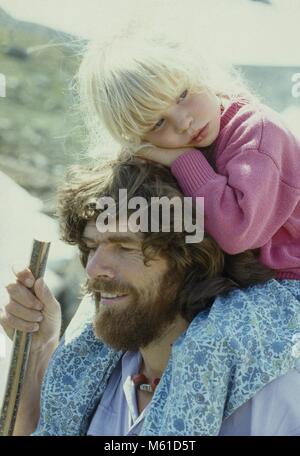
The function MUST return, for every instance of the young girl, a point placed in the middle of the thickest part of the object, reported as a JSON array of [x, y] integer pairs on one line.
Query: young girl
[[220, 142]]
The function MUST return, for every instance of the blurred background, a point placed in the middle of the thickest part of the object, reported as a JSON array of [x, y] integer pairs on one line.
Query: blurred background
[[42, 132]]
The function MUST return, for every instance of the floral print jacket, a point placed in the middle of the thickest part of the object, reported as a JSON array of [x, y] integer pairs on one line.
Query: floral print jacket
[[228, 353]]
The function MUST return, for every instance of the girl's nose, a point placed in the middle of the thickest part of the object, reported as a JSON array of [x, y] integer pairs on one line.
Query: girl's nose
[[183, 124], [101, 264]]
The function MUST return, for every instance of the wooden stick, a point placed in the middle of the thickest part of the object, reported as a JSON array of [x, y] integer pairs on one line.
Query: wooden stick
[[20, 351]]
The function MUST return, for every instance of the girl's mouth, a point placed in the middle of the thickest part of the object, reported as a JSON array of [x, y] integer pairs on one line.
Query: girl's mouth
[[201, 133]]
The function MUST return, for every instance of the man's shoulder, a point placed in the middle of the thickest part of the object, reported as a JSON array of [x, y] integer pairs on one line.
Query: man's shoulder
[[271, 411], [257, 319]]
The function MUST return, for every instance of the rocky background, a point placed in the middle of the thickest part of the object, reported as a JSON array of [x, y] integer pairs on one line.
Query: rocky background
[[40, 132]]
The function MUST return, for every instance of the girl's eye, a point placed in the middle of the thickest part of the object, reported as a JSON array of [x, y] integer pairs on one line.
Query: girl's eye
[[158, 124], [183, 95]]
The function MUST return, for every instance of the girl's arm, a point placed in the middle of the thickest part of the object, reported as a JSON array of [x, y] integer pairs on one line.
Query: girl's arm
[[159, 155], [245, 205]]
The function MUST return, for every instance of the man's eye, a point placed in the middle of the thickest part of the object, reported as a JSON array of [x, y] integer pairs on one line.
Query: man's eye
[[90, 248], [124, 247], [183, 95]]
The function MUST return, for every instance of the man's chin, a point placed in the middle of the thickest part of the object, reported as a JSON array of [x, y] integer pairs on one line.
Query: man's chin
[[117, 326], [137, 322], [129, 330], [111, 342], [118, 335]]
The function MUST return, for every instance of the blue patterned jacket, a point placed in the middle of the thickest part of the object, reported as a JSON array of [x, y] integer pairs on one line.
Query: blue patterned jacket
[[227, 354]]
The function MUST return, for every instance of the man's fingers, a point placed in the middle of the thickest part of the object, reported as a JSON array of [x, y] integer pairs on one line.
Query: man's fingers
[[25, 277], [22, 295], [9, 331], [19, 311], [43, 293], [12, 322]]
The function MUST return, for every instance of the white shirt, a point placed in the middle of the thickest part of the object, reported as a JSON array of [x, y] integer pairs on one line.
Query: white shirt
[[273, 411]]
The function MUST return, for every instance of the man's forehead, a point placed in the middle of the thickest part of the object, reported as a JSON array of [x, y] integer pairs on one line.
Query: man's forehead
[[91, 232]]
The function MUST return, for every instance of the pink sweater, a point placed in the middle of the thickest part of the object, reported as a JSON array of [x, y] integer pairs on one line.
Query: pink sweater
[[253, 199]]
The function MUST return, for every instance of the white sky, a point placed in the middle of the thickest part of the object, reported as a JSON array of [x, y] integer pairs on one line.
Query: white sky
[[240, 31]]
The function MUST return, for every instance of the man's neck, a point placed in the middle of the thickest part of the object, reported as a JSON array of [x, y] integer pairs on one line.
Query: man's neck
[[156, 355]]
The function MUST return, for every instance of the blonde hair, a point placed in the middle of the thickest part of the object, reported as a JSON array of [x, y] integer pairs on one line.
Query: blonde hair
[[124, 85]]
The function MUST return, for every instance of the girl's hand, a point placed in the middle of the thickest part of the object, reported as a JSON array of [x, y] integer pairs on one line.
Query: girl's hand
[[159, 155]]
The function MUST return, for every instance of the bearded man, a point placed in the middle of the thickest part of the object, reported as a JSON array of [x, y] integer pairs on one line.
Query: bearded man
[[156, 348]]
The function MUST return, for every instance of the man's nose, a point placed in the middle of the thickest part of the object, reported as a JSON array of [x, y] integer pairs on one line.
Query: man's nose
[[101, 264]]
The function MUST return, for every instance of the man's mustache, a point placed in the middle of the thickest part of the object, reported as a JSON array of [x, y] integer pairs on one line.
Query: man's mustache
[[112, 286]]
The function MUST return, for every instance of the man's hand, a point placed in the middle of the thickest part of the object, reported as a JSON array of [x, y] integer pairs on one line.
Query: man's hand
[[38, 312], [159, 155]]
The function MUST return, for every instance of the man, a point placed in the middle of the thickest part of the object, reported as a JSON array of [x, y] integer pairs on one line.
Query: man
[[161, 314]]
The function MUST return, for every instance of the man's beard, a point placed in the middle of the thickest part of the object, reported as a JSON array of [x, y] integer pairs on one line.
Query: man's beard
[[143, 319]]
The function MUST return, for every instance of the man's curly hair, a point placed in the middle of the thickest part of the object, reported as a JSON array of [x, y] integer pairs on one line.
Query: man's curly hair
[[206, 270]]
